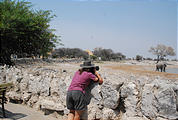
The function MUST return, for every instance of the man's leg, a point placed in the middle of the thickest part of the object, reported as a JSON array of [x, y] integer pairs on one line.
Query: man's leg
[[71, 115], [77, 114]]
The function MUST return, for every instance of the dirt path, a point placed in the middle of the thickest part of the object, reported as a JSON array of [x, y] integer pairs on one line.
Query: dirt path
[[22, 112]]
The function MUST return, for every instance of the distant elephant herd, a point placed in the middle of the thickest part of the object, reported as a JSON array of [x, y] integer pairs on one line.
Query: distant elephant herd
[[161, 67]]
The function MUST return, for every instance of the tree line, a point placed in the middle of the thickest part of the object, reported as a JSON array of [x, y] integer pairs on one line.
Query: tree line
[[108, 54], [69, 53], [98, 53]]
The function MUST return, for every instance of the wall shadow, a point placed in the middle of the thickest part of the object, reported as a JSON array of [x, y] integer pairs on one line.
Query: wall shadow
[[11, 115]]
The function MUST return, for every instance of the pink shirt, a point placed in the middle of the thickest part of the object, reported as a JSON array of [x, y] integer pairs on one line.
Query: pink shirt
[[80, 82]]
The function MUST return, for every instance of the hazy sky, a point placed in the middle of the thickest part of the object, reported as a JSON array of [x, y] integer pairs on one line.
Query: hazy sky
[[127, 26]]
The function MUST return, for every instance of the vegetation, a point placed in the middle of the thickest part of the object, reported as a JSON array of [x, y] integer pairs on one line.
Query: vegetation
[[24, 31], [108, 54], [139, 58], [69, 53], [148, 58], [104, 54], [162, 51], [93, 57]]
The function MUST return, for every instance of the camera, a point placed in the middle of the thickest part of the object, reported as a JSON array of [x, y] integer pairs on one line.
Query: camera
[[92, 70], [97, 68]]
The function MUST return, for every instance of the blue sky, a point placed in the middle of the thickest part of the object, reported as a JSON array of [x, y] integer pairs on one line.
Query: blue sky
[[127, 26]]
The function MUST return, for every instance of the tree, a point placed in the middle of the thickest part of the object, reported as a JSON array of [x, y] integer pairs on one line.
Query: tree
[[105, 54], [162, 51], [118, 56], [24, 31]]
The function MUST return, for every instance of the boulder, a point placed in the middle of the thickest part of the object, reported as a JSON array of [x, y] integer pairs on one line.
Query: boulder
[[166, 102], [110, 95], [14, 97], [148, 102], [50, 104], [130, 96]]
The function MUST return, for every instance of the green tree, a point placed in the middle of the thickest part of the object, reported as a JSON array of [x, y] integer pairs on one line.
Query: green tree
[[24, 31]]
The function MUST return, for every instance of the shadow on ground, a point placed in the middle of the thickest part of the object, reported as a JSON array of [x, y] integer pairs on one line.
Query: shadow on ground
[[12, 116]]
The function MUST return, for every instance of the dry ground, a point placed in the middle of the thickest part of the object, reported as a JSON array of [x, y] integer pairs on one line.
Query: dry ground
[[138, 68], [143, 70]]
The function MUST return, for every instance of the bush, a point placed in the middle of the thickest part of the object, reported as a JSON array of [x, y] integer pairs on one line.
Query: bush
[[148, 59], [139, 58], [93, 57]]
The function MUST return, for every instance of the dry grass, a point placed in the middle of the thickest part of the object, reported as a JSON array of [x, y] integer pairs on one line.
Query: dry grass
[[142, 70]]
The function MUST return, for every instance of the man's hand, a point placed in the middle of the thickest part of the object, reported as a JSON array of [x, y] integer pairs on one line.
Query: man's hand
[[99, 78], [101, 81]]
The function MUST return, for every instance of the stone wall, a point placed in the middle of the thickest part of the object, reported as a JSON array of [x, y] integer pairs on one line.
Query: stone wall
[[122, 96]]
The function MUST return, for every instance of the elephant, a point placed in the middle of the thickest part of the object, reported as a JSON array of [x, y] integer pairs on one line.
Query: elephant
[[161, 66]]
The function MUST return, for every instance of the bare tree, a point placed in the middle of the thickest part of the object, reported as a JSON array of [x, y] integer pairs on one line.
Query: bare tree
[[170, 51], [162, 51]]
